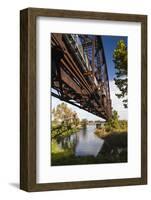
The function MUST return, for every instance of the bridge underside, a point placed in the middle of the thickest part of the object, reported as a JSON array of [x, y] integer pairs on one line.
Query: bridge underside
[[79, 73]]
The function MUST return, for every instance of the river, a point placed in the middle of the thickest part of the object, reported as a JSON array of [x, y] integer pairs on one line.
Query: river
[[84, 142]]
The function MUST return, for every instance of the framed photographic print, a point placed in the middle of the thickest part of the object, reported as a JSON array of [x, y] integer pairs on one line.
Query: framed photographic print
[[83, 99]]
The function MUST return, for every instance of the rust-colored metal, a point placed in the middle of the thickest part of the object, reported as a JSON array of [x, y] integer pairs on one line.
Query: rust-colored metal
[[79, 72], [70, 82]]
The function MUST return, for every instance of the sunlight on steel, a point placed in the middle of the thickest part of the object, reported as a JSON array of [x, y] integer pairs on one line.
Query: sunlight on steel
[[79, 72]]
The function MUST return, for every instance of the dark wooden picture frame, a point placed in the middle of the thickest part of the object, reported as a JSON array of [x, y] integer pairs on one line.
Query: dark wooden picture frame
[[28, 98]]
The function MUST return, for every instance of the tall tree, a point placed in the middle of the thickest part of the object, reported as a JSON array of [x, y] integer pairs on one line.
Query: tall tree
[[120, 61], [62, 114], [113, 122]]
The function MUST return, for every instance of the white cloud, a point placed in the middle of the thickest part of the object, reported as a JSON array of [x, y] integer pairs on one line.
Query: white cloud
[[116, 102]]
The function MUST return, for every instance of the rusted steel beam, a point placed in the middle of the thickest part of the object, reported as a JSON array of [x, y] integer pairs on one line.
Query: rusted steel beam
[[74, 83], [88, 107], [70, 82], [84, 90], [76, 70], [72, 65], [93, 52]]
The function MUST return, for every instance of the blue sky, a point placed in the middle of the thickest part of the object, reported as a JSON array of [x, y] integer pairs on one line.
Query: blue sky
[[109, 44]]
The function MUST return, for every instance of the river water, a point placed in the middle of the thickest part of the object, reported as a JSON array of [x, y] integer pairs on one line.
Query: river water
[[83, 143]]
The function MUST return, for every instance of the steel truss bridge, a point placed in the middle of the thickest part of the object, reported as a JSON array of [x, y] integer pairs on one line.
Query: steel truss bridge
[[79, 72]]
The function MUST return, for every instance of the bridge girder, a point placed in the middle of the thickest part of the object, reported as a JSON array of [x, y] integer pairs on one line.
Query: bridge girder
[[79, 72]]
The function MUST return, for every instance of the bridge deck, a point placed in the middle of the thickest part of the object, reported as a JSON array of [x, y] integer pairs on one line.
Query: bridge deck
[[79, 72]]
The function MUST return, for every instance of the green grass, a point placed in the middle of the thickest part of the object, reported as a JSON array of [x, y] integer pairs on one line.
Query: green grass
[[108, 154], [102, 133], [55, 148], [67, 158]]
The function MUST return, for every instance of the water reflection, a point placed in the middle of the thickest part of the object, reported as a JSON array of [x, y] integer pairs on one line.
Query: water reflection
[[115, 147], [83, 143], [85, 147]]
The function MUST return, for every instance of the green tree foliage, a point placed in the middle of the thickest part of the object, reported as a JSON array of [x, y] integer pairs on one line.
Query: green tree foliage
[[63, 114], [64, 120], [123, 124], [120, 61], [113, 122]]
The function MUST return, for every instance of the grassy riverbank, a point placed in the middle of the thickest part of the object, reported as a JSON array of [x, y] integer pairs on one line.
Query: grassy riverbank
[[114, 150], [67, 158], [113, 126], [113, 145], [102, 133]]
